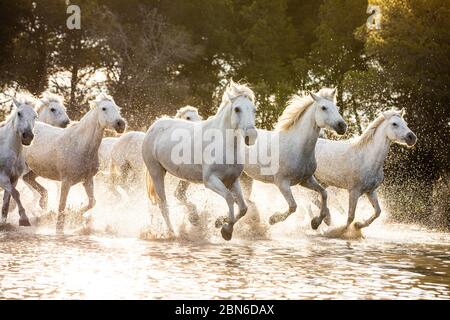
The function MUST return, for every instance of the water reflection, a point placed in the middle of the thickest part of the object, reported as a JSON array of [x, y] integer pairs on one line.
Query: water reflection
[[45, 266]]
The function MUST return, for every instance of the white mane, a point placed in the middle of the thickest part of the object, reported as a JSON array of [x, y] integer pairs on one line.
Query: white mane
[[100, 98], [233, 91], [297, 105], [369, 133], [182, 111], [47, 98]]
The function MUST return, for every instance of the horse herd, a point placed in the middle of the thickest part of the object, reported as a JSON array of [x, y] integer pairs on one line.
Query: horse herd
[[37, 140]]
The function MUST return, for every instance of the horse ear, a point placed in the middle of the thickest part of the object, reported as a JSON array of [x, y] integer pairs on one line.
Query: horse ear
[[315, 96], [333, 91], [16, 103], [402, 112]]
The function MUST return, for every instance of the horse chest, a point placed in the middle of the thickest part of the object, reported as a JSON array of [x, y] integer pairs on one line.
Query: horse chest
[[372, 181], [301, 171]]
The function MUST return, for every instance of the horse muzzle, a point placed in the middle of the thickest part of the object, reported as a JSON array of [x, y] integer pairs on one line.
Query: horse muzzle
[[27, 137], [250, 136], [64, 123], [120, 126], [410, 139], [340, 127]]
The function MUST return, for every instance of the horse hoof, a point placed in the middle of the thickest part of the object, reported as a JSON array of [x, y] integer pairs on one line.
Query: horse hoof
[[327, 220], [227, 232], [24, 222], [194, 219], [315, 223], [275, 218], [358, 225], [220, 222]]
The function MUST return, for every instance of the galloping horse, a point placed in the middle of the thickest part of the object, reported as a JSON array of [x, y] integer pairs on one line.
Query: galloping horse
[[16, 131], [51, 110], [126, 167], [297, 129], [357, 165], [236, 118], [71, 155]]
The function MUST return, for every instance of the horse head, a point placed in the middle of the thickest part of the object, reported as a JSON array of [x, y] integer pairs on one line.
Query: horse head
[[327, 113], [109, 113], [24, 117]]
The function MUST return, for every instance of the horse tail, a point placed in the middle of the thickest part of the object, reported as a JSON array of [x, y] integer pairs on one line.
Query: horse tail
[[150, 188]]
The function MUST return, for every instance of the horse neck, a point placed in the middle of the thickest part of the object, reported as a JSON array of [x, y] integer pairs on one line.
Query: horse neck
[[375, 152], [305, 132], [90, 132], [220, 121], [12, 136]]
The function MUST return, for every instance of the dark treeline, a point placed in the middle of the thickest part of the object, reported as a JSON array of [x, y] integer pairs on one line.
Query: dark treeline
[[154, 56]]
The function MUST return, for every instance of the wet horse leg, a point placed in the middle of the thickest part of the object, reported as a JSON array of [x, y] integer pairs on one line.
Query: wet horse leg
[[30, 179], [10, 188], [285, 189], [65, 187], [216, 185], [180, 194], [373, 198], [88, 185], [157, 175], [352, 202], [5, 207], [312, 184]]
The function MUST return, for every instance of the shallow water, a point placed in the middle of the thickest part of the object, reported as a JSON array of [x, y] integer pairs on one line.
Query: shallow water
[[290, 261]]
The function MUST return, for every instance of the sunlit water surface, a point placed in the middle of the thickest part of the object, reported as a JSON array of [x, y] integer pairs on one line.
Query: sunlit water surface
[[286, 261]]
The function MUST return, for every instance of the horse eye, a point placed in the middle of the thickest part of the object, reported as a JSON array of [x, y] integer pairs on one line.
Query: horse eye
[[19, 114], [394, 124], [188, 118], [237, 110], [104, 109], [324, 108], [52, 110]]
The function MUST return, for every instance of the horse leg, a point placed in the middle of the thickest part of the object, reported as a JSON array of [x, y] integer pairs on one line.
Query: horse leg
[[352, 202], [88, 185], [239, 199], [30, 179], [286, 191], [312, 184], [65, 187], [180, 194], [5, 207], [158, 182], [216, 185], [10, 188], [373, 198]]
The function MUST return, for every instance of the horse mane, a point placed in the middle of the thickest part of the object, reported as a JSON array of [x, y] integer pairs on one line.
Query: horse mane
[[297, 105], [182, 111], [100, 98], [370, 131], [47, 98], [233, 91]]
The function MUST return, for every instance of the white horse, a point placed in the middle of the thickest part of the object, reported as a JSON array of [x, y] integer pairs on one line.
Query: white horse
[[51, 110], [104, 153], [127, 166], [16, 131], [357, 164], [71, 155], [296, 133], [219, 172]]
